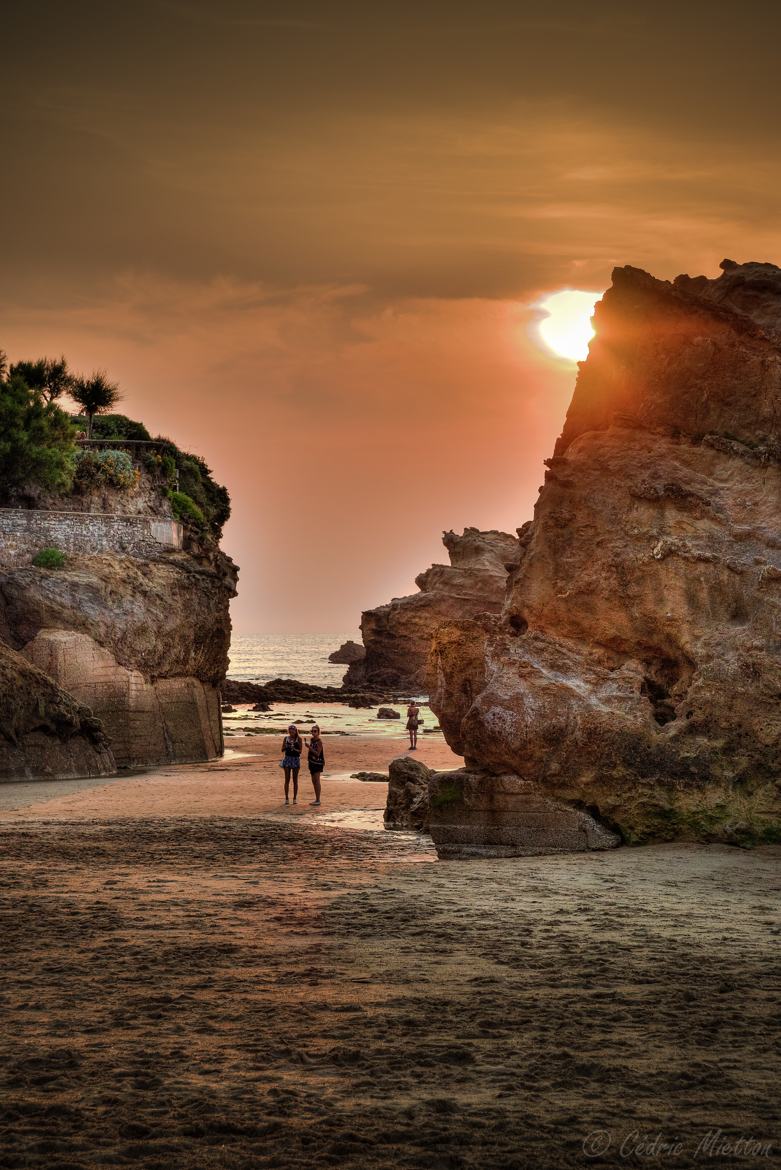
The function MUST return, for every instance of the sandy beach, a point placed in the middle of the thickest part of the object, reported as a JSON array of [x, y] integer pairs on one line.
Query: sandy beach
[[197, 977]]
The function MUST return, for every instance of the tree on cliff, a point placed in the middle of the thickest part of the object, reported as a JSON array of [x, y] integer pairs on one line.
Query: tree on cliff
[[95, 395], [50, 376], [36, 441]]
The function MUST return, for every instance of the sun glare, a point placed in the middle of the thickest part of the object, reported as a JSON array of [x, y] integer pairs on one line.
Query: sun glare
[[566, 328]]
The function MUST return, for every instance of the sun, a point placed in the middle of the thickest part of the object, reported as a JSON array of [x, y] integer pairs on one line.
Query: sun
[[566, 328]]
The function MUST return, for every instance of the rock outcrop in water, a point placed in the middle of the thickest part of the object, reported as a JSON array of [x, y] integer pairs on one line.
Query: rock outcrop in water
[[348, 653], [397, 636], [635, 670]]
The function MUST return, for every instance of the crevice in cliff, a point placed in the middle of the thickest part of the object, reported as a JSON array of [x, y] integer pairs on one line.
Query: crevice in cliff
[[596, 814], [665, 683]]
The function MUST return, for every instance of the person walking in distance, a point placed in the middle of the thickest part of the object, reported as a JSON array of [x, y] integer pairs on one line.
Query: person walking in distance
[[413, 721]]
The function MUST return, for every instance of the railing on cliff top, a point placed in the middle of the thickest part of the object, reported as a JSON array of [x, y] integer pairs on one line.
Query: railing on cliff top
[[134, 444]]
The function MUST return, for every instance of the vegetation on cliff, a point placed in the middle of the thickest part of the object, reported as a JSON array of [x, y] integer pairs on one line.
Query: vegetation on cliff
[[40, 452]]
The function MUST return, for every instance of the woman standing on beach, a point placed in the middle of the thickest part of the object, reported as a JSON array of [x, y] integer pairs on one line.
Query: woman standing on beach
[[316, 762], [291, 760], [413, 720]]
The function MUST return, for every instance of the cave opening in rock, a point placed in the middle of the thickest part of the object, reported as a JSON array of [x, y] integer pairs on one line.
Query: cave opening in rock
[[518, 624], [660, 699]]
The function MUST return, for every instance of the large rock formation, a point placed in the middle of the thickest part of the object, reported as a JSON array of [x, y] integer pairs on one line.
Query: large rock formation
[[635, 671], [43, 731], [143, 642], [397, 636]]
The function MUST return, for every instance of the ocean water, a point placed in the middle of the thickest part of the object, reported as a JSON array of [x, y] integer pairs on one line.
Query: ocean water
[[261, 657]]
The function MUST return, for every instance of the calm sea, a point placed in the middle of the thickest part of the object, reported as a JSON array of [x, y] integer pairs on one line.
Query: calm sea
[[261, 657]]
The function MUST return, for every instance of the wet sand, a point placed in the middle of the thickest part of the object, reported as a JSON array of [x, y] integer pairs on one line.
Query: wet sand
[[195, 977]]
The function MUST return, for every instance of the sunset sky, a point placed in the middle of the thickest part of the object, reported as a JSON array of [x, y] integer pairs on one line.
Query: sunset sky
[[307, 238]]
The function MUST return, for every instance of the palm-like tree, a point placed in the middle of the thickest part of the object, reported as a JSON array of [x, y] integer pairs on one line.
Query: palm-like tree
[[95, 395], [49, 376]]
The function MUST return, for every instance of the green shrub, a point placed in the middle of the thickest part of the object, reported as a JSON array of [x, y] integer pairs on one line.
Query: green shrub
[[195, 478], [49, 558], [168, 468], [189, 474], [115, 426], [186, 509], [108, 468]]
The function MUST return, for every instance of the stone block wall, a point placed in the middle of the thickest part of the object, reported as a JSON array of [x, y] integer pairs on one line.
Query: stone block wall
[[24, 532], [165, 720]]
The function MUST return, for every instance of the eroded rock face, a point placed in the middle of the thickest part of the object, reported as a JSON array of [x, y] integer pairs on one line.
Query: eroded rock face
[[474, 814], [397, 636], [635, 671], [43, 731], [143, 642]]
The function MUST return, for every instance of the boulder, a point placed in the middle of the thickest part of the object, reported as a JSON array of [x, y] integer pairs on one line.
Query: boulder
[[397, 636], [407, 806], [348, 653], [370, 777], [388, 713], [635, 670]]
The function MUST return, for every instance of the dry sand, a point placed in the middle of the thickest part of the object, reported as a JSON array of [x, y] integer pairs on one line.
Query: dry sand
[[196, 977]]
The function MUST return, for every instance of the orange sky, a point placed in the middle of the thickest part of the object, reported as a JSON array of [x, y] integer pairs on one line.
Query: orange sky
[[305, 239]]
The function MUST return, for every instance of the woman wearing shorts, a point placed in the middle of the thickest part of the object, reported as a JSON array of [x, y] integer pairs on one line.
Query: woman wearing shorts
[[291, 760]]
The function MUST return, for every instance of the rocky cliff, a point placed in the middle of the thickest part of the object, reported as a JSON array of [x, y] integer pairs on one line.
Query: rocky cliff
[[397, 636], [138, 638], [635, 670]]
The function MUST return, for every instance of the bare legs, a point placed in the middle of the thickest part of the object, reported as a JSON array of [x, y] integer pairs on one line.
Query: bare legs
[[288, 772], [316, 785]]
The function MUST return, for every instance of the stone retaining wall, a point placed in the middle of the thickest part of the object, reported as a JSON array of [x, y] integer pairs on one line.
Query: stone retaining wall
[[24, 532]]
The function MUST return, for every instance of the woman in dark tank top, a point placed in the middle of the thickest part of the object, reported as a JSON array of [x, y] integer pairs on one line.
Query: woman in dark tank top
[[316, 758]]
